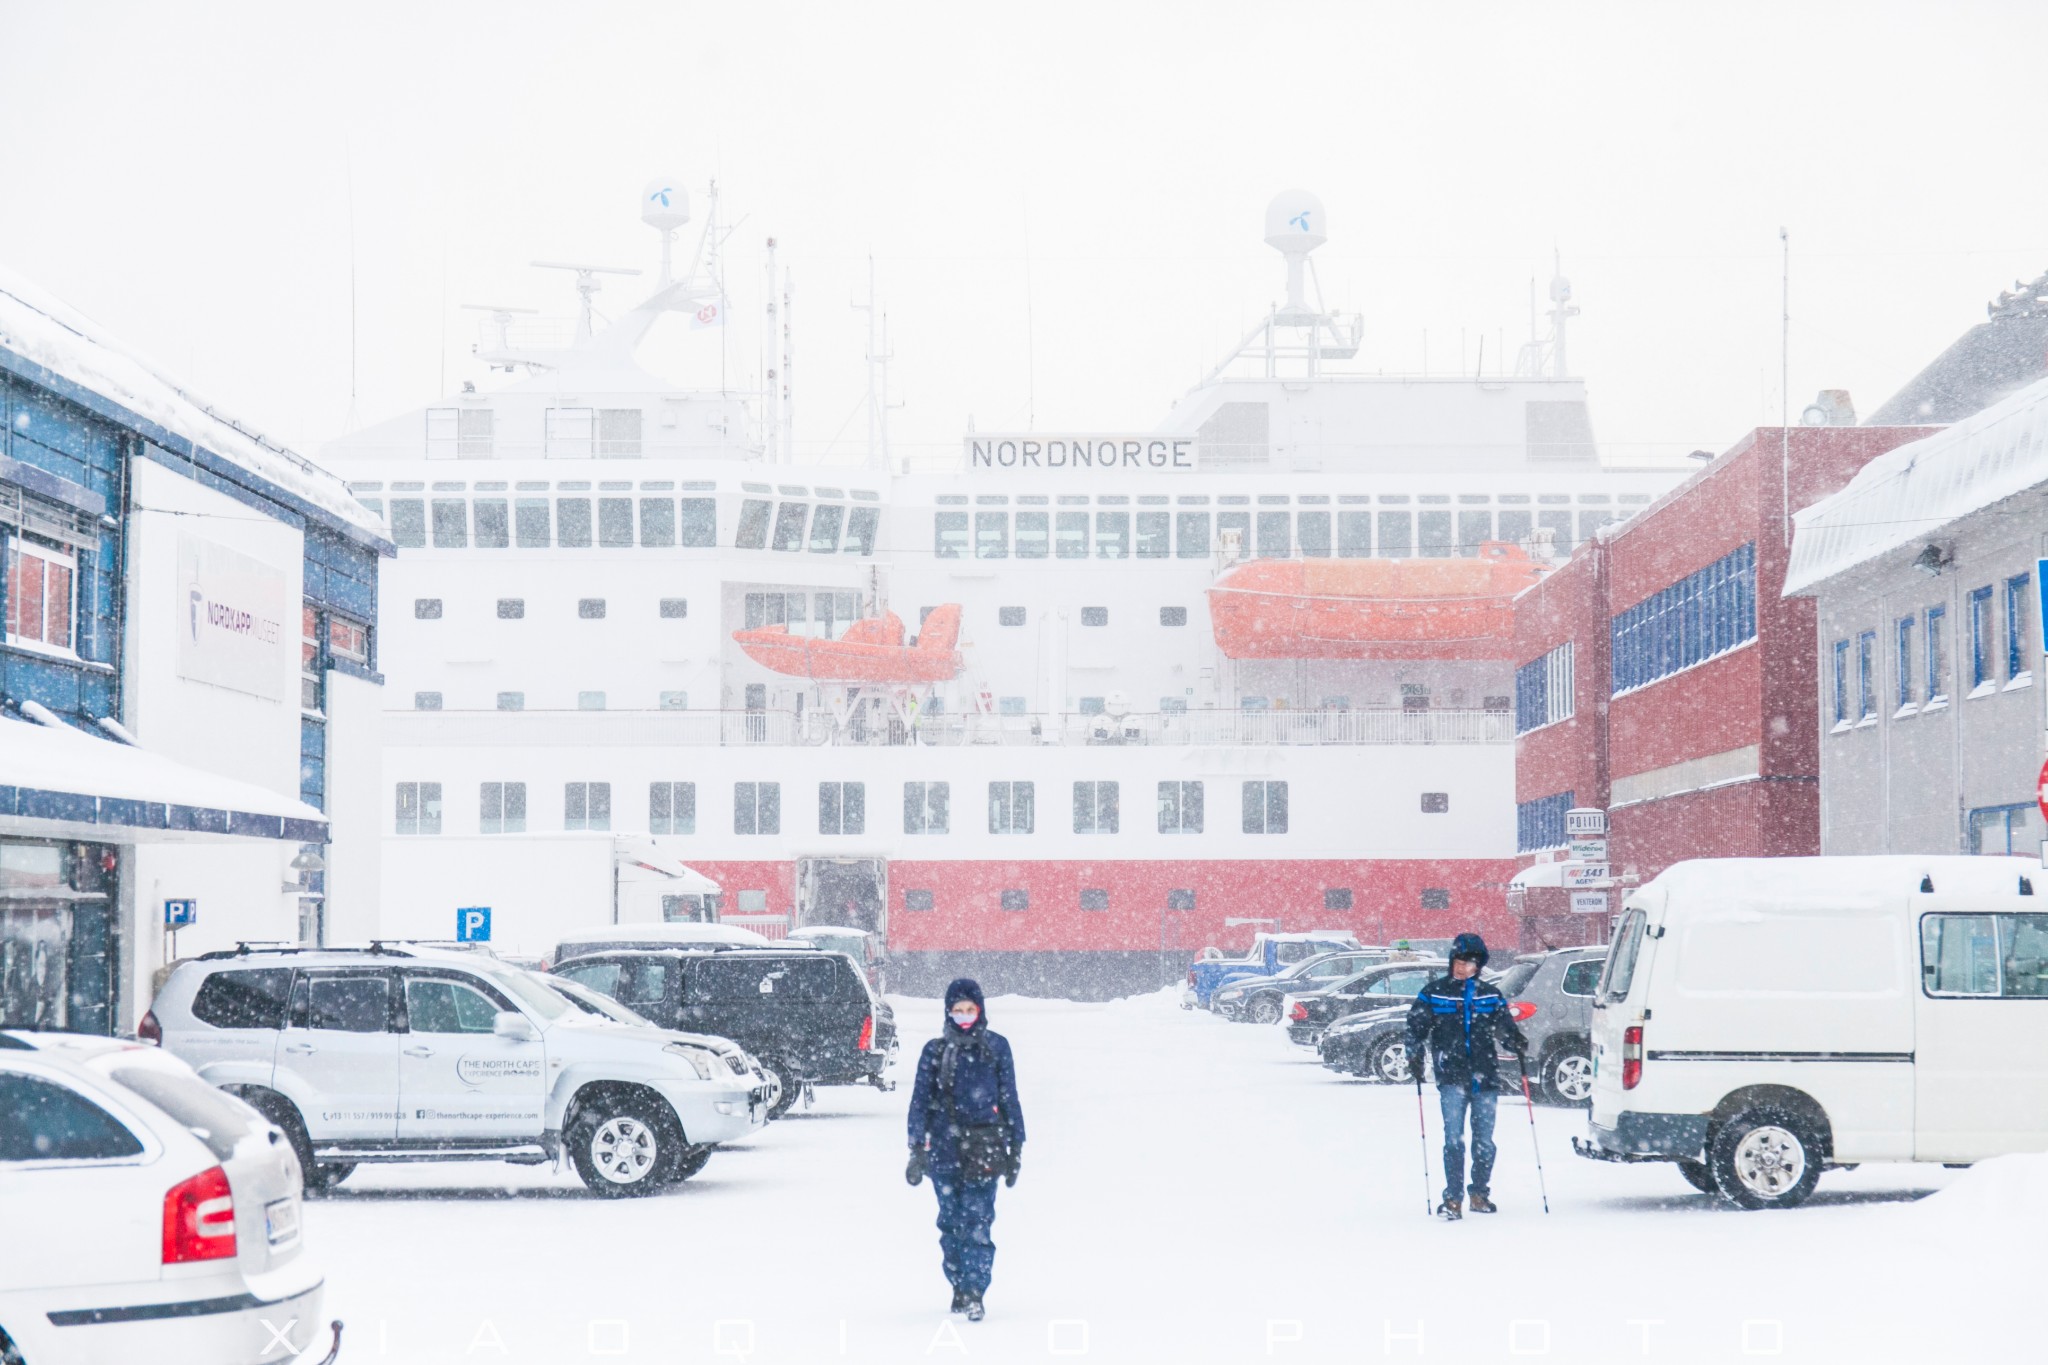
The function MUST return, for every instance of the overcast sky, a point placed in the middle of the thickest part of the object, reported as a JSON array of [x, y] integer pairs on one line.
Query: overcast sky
[[1063, 203]]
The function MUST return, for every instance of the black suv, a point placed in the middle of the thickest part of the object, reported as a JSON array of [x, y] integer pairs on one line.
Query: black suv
[[806, 1016]]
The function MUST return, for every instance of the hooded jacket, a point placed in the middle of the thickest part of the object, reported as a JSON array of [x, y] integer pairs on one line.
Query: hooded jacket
[[965, 1077], [1464, 1024]]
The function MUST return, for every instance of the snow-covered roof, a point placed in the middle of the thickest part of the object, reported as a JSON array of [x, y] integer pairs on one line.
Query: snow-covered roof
[[43, 331], [1914, 490], [669, 933], [1762, 885]]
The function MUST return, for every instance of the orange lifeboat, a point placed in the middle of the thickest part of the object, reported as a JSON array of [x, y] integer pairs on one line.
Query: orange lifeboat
[[871, 651], [1372, 608]]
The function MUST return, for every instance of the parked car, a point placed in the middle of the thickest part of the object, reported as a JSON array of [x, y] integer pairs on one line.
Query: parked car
[[807, 1016], [1310, 1011], [1554, 1005], [1373, 1042], [860, 945], [1758, 1020], [1268, 955], [1256, 999], [393, 1054], [602, 1006], [146, 1215], [679, 934]]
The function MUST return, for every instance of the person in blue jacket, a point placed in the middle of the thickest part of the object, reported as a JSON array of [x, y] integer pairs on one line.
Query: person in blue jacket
[[966, 1129], [1462, 1024]]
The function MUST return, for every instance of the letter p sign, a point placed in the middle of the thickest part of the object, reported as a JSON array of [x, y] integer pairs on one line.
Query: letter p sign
[[473, 924]]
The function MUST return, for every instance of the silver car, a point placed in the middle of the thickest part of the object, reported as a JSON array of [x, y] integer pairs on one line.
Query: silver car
[[1554, 995]]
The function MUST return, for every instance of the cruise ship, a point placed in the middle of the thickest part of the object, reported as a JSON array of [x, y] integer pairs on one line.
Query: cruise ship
[[1060, 714]]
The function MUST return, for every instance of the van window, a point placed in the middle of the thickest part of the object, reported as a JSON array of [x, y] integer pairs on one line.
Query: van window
[[602, 977], [1985, 955], [1620, 971]]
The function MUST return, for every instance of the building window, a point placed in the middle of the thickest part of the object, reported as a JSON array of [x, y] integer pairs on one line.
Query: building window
[[757, 808], [590, 609], [1095, 808], [426, 701], [674, 608], [511, 609], [1436, 803], [1095, 616], [1094, 898], [1016, 900], [1009, 616], [530, 524], [1980, 637], [2006, 830], [1173, 616], [1539, 824], [1866, 675], [590, 701], [1543, 690], [426, 608], [1703, 614], [1180, 808], [1841, 682], [675, 701], [1937, 654], [1180, 899], [697, 523], [511, 701], [842, 808], [949, 535], [40, 605], [672, 808], [1265, 808], [501, 808], [2016, 597], [1436, 898], [310, 670], [1904, 660], [1336, 898], [924, 807], [916, 899], [587, 805], [419, 808], [1011, 808], [451, 524]]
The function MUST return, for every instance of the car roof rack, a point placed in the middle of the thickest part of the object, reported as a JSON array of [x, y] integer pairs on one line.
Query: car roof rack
[[267, 947]]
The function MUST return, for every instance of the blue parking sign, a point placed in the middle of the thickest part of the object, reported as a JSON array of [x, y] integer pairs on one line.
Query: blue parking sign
[[473, 924], [178, 914]]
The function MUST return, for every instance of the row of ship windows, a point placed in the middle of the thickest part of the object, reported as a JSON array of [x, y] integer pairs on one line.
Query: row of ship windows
[[1019, 898], [1273, 499], [540, 523], [985, 534], [842, 807], [1927, 681], [514, 608]]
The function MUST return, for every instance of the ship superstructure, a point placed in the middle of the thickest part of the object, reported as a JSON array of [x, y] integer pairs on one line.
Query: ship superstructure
[[1095, 776]]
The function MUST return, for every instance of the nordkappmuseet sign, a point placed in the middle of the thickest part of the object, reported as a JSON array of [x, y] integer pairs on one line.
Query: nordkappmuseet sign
[[1081, 455], [231, 620]]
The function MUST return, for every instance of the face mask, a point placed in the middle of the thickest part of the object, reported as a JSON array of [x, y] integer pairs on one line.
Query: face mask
[[965, 1016]]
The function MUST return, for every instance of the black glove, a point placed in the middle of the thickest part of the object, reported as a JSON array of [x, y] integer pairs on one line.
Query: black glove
[[1013, 1163], [913, 1174]]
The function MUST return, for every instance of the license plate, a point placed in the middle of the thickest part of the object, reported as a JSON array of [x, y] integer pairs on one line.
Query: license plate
[[281, 1220]]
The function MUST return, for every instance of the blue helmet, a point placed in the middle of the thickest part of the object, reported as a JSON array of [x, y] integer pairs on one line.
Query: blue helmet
[[1469, 945]]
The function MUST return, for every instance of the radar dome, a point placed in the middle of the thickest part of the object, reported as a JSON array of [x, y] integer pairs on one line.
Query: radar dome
[[1294, 222], [664, 204]]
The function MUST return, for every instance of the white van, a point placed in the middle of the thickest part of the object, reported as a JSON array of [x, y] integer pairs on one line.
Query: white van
[[1758, 1019]]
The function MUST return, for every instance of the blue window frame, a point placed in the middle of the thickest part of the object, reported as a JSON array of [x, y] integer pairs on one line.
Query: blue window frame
[[2003, 830], [1539, 824], [1866, 675], [1703, 614], [1937, 653], [1980, 636], [1841, 682], [2016, 625], [1905, 660]]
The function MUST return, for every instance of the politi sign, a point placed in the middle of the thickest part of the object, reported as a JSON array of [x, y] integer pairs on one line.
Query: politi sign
[[1070, 457]]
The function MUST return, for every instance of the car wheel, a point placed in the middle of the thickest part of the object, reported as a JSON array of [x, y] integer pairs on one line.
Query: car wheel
[[318, 1177], [1765, 1158], [1698, 1176], [623, 1147], [1262, 1009], [1568, 1076], [1387, 1062], [692, 1160], [786, 1085]]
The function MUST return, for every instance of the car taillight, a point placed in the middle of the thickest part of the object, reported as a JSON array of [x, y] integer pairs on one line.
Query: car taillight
[[1299, 1014], [1631, 1056], [867, 1034], [1522, 1010], [1191, 976], [149, 1030], [199, 1219]]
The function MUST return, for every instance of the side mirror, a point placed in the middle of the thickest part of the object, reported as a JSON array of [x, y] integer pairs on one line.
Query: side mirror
[[513, 1025]]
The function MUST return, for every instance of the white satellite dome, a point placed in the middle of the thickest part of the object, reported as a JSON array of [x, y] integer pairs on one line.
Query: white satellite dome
[[664, 204], [1294, 222]]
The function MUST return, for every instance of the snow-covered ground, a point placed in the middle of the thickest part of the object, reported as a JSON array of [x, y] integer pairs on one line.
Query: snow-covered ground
[[1193, 1191]]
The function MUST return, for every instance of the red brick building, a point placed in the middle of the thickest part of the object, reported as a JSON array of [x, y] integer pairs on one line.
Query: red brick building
[[1664, 679]]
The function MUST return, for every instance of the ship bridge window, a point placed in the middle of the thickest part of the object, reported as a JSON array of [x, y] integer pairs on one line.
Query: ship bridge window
[[924, 810], [991, 535], [1559, 524], [790, 490], [374, 505], [570, 433], [860, 530], [1073, 500], [1394, 497], [834, 612], [1433, 497], [1112, 535], [825, 529], [1474, 529], [530, 523], [1312, 529], [1630, 497], [949, 535], [615, 522], [493, 525], [618, 431], [451, 523], [1397, 535], [408, 523], [757, 808], [1265, 808], [1270, 499], [1070, 534], [1589, 522], [1518, 499], [572, 522], [842, 808], [753, 527], [1553, 497], [1433, 535], [705, 486], [1193, 532], [1354, 534], [657, 523], [1232, 500], [1011, 808], [1034, 540], [1316, 499], [1594, 497], [1240, 522], [1095, 808], [459, 433], [697, 526], [1155, 531], [1514, 525], [1180, 808], [789, 525]]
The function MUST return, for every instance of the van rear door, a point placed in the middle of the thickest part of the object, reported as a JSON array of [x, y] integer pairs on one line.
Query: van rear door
[[1981, 1044]]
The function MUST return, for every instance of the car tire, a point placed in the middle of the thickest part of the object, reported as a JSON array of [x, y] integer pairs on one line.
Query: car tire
[[787, 1082], [1262, 1009], [319, 1177], [1568, 1076], [1698, 1176], [1386, 1061], [1765, 1157], [624, 1147], [692, 1161]]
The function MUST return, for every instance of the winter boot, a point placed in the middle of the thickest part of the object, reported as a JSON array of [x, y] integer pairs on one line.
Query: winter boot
[[1451, 1210], [974, 1308], [1481, 1204], [959, 1300]]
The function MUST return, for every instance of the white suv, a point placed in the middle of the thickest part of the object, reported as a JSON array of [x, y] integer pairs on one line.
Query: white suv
[[144, 1216], [412, 1054]]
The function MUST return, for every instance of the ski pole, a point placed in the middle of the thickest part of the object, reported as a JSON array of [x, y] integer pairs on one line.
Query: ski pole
[[1534, 1145], [1422, 1125]]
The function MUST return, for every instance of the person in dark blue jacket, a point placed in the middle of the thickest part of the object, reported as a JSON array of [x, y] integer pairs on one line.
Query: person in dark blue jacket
[[966, 1128], [1461, 1023]]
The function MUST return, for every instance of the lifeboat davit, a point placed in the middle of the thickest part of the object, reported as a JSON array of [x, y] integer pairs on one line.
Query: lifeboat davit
[[1372, 608], [871, 651]]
